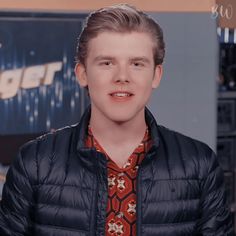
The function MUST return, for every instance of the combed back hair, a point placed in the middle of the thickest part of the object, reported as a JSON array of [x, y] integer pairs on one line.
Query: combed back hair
[[121, 18]]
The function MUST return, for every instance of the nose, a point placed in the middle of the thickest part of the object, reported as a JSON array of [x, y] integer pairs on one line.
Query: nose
[[122, 75]]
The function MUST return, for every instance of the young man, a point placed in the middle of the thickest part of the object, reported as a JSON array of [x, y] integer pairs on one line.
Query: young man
[[117, 172]]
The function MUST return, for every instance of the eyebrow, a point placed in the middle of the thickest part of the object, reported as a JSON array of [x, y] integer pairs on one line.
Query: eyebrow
[[101, 58], [142, 59]]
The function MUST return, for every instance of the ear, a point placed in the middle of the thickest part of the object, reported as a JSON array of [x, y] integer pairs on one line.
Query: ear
[[81, 74], [157, 76]]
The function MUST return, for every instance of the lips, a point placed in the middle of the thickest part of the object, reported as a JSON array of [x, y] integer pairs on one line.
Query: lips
[[121, 94]]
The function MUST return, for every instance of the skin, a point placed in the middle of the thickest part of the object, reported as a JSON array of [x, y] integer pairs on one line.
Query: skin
[[119, 64]]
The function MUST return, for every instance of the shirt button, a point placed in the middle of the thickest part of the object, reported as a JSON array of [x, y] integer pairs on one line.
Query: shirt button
[[120, 214], [121, 174]]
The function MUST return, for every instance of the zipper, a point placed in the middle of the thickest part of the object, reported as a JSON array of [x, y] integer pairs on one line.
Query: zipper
[[139, 194], [139, 202], [94, 230], [101, 175]]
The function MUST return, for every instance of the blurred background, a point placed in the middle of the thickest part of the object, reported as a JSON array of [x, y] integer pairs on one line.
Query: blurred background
[[197, 96]]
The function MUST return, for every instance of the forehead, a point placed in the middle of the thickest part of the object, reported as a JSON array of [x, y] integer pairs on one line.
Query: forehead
[[121, 44]]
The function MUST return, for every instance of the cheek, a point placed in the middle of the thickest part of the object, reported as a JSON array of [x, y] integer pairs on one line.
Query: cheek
[[144, 92], [145, 83], [145, 89], [97, 88]]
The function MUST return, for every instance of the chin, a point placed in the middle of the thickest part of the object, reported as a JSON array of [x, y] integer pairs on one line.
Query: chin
[[121, 118], [118, 114]]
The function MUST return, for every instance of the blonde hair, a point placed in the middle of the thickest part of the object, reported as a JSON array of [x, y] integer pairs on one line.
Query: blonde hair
[[121, 18]]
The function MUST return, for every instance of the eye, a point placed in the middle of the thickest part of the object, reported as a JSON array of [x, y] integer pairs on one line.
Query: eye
[[106, 63], [138, 64]]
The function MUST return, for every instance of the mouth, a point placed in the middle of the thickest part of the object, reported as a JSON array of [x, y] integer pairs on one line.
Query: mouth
[[121, 94]]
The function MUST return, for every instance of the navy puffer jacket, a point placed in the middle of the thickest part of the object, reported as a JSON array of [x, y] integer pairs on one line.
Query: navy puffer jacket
[[57, 187]]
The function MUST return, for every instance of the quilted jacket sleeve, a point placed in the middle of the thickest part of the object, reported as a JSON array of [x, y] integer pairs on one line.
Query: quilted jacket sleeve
[[16, 204], [215, 218]]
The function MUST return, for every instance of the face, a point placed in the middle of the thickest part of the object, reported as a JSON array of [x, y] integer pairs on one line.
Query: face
[[120, 75]]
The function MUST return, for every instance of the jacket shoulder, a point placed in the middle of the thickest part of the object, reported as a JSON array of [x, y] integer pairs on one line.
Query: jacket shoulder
[[44, 150], [182, 140], [46, 143], [191, 152]]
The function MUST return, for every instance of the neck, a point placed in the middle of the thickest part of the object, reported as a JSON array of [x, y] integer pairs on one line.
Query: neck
[[108, 131]]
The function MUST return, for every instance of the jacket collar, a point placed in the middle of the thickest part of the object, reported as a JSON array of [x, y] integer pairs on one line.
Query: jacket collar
[[82, 128], [153, 127]]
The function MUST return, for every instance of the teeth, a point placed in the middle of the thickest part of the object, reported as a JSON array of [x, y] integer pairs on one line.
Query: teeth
[[121, 94]]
